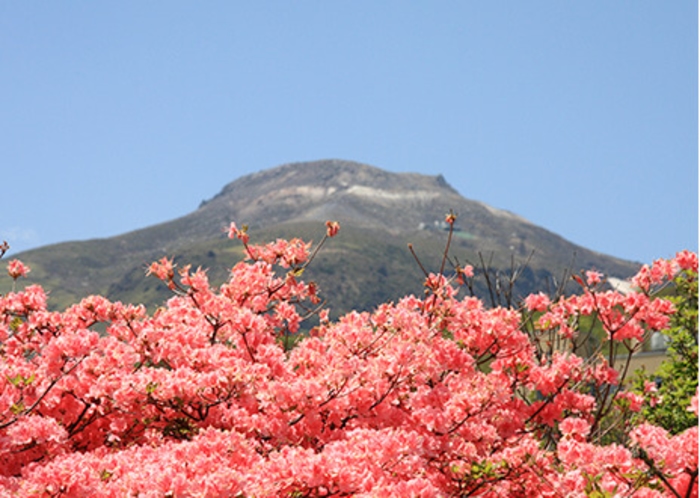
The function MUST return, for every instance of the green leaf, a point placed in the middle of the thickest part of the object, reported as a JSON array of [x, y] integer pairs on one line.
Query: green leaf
[[15, 324], [17, 408]]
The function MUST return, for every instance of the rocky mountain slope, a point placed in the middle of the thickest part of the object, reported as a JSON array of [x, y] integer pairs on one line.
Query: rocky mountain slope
[[369, 262]]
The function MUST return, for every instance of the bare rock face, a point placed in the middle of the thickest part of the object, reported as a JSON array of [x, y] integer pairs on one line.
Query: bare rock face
[[347, 191]]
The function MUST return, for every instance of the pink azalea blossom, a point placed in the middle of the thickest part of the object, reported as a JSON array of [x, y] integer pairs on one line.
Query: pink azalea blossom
[[432, 395], [537, 302], [16, 269], [593, 278], [687, 260], [332, 228]]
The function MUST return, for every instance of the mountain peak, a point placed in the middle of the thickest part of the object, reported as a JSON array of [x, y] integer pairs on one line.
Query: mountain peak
[[334, 174], [331, 189]]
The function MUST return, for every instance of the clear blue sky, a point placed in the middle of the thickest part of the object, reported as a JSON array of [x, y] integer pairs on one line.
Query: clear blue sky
[[580, 116]]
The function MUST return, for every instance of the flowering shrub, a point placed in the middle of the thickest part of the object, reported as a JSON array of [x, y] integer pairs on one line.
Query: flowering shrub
[[430, 396], [668, 390]]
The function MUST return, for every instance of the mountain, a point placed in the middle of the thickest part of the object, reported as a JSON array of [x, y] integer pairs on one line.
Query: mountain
[[367, 263]]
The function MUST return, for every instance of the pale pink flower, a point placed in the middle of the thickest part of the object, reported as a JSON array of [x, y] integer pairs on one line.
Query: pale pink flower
[[235, 232], [694, 403], [468, 271], [593, 278]]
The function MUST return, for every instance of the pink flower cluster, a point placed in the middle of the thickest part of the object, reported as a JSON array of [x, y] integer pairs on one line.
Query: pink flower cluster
[[431, 396], [16, 269], [662, 270]]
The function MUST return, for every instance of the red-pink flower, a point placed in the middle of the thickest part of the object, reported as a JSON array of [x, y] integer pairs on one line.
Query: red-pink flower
[[537, 302], [603, 373], [332, 228], [16, 269], [687, 260], [162, 269], [634, 401], [577, 428], [427, 396]]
